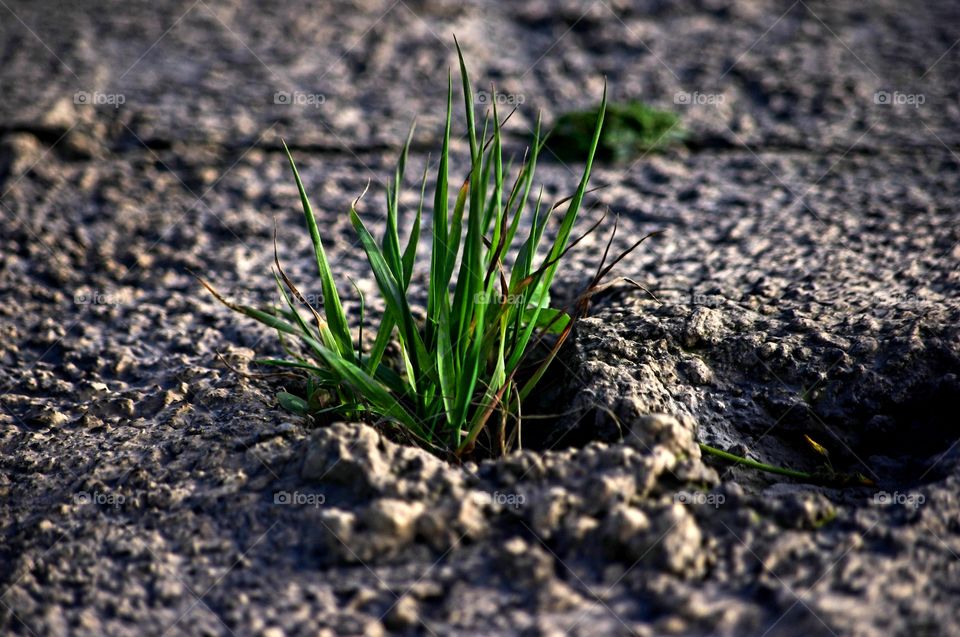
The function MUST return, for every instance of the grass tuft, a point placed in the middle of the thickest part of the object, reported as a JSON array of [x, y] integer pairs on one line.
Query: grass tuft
[[456, 379]]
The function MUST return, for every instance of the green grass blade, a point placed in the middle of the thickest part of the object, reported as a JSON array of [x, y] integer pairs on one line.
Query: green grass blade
[[372, 391], [468, 101], [292, 403], [279, 362], [456, 230], [496, 201], [410, 253], [470, 276], [439, 279], [528, 249], [447, 368], [540, 294], [528, 170], [552, 320], [394, 297], [566, 225], [357, 378], [331, 300], [391, 238], [258, 315], [384, 334]]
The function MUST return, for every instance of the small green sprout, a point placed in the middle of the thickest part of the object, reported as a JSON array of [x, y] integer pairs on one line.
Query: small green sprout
[[630, 129]]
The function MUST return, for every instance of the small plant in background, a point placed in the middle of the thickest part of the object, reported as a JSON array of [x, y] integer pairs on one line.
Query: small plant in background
[[466, 369], [631, 128]]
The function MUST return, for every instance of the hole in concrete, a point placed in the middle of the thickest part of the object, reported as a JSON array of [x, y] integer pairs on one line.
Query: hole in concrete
[[894, 424], [552, 419], [904, 443]]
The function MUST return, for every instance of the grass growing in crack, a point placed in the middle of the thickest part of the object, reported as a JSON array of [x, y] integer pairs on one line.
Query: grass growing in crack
[[466, 370], [631, 128]]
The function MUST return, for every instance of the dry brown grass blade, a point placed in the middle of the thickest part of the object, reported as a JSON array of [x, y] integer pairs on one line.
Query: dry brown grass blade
[[259, 374], [595, 287], [623, 254], [606, 249], [501, 244], [530, 278], [213, 291], [566, 199]]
